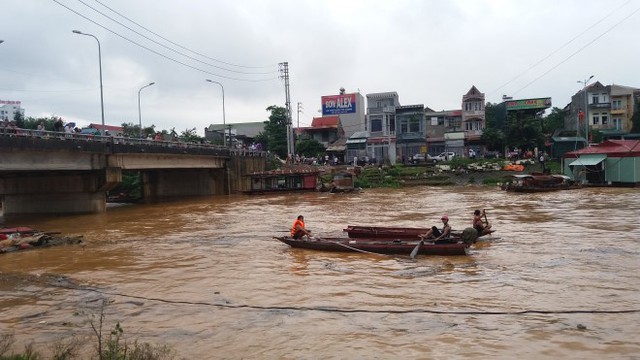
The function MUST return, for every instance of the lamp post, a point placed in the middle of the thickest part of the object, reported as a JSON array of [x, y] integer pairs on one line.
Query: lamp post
[[224, 123], [586, 113], [139, 111], [100, 66]]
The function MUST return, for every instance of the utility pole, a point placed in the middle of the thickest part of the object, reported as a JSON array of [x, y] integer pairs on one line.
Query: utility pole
[[300, 110], [284, 70], [586, 106]]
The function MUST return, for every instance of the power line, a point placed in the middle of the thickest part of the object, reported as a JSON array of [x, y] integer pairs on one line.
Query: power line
[[578, 51], [205, 56], [558, 49], [169, 48], [160, 54]]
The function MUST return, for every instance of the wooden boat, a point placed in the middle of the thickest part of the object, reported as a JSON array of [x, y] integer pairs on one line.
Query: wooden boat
[[378, 246], [386, 232], [537, 182]]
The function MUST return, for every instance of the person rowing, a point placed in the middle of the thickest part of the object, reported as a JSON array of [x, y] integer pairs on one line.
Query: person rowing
[[436, 233], [298, 229], [480, 226]]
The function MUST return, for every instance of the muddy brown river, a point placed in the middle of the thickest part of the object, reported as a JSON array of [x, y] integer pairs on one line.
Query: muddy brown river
[[560, 279]]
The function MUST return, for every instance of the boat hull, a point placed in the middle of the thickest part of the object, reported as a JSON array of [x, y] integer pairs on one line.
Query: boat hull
[[377, 246], [385, 232]]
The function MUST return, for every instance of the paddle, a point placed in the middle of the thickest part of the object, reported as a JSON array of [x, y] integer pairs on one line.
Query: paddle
[[484, 213], [414, 252]]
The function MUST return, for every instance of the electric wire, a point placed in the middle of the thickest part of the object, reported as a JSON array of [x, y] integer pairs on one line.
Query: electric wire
[[579, 50], [180, 46], [559, 48], [174, 50], [160, 54]]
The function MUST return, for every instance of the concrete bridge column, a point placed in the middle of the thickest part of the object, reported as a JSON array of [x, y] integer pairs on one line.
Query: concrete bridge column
[[58, 192], [159, 184]]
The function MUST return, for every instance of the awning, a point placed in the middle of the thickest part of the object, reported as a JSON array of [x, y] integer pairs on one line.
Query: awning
[[586, 160]]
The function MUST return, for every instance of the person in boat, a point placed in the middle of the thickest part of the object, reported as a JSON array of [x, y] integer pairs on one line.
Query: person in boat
[[479, 225], [436, 233], [298, 230]]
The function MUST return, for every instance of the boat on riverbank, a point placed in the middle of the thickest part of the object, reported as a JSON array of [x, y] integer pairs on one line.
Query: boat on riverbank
[[379, 246], [532, 183], [23, 238]]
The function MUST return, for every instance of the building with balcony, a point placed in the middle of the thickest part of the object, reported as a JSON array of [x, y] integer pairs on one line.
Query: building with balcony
[[380, 123], [473, 117], [438, 124], [607, 109], [410, 131]]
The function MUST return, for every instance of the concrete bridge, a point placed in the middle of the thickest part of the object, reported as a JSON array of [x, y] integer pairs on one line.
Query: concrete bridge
[[48, 172]]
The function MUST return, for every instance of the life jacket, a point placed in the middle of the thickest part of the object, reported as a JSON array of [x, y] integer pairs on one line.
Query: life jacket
[[294, 228]]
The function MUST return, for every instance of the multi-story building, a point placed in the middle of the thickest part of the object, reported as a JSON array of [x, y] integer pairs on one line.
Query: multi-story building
[[473, 118], [9, 109], [440, 127], [607, 109], [410, 131], [457, 130], [381, 126]]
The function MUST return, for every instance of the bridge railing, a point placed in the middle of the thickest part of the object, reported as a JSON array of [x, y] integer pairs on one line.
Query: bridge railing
[[119, 144]]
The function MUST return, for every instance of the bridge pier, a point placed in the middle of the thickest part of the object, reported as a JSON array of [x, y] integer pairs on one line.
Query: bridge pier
[[56, 203], [58, 193], [158, 184]]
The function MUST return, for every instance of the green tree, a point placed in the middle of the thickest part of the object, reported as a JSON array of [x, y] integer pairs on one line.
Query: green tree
[[32, 123], [310, 148], [274, 136], [492, 136], [130, 130], [19, 119], [189, 135], [524, 133], [553, 121]]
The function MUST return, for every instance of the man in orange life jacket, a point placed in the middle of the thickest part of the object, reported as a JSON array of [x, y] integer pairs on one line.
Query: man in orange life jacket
[[298, 230]]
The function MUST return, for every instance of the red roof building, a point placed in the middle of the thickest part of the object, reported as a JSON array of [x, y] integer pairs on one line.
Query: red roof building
[[613, 162]]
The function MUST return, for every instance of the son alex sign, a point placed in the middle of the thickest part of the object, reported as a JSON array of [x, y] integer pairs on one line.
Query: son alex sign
[[338, 104]]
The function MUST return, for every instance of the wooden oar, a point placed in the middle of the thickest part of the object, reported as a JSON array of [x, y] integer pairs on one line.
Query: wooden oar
[[414, 252], [484, 213]]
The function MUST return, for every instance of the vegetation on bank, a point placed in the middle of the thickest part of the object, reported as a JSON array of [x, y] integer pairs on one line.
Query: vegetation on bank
[[107, 345], [455, 172]]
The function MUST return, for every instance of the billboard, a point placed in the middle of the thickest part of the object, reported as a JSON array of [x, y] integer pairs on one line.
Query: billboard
[[541, 103], [338, 104]]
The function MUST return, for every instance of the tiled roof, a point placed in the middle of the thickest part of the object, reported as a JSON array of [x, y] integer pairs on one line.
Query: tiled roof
[[614, 148], [325, 121]]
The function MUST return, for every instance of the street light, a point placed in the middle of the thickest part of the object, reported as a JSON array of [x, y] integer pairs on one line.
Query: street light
[[224, 136], [100, 65], [140, 112], [586, 113]]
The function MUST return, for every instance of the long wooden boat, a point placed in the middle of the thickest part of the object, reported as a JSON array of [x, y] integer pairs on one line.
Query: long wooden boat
[[378, 246], [387, 232], [533, 183]]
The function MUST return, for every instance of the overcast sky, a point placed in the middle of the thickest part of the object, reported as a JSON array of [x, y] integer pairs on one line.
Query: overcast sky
[[430, 52]]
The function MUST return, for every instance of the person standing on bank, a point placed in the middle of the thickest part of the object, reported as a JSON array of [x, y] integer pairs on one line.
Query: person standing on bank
[[437, 233], [542, 162], [298, 230]]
